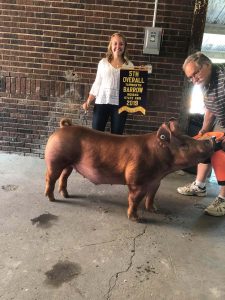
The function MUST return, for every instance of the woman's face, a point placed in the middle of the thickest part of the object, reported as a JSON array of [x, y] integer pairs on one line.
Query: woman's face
[[117, 45]]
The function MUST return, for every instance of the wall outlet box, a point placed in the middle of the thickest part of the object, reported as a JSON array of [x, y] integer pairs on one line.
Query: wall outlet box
[[152, 40]]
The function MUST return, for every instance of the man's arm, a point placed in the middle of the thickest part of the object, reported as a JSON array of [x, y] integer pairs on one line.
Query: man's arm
[[208, 122]]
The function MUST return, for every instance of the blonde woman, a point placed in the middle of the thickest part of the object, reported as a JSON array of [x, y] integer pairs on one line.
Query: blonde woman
[[105, 89]]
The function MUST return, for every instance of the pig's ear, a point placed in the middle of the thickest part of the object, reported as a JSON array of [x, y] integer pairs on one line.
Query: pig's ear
[[163, 135], [174, 127]]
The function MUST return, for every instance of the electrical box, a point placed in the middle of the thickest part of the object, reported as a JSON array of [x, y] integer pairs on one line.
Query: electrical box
[[152, 41]]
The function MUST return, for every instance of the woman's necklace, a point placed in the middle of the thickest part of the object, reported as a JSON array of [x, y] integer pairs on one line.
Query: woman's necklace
[[117, 65]]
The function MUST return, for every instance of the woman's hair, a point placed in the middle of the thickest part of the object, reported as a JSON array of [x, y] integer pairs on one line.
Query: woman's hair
[[197, 57], [109, 53]]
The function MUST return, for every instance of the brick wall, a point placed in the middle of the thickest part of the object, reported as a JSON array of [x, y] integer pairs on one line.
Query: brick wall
[[49, 52]]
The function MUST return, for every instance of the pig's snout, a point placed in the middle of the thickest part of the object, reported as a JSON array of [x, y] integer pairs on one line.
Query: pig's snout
[[210, 144], [213, 139], [219, 145]]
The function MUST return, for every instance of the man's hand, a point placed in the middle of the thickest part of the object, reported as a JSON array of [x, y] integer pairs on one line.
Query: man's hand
[[202, 131]]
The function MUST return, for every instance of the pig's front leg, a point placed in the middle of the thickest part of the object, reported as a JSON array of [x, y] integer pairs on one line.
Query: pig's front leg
[[149, 204], [150, 196], [136, 194]]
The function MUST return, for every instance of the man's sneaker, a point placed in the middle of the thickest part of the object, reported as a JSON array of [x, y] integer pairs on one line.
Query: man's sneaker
[[216, 208], [192, 190]]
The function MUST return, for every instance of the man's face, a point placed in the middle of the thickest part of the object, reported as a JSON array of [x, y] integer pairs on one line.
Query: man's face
[[198, 74]]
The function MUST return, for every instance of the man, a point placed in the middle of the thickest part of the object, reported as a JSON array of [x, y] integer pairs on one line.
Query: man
[[200, 70]]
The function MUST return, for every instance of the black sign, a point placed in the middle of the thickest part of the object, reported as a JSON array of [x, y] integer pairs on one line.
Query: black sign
[[133, 90]]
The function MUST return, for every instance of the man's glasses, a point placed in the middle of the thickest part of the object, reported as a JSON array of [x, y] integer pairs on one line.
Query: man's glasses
[[190, 78]]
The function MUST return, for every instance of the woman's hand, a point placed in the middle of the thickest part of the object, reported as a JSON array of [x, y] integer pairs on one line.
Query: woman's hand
[[86, 105]]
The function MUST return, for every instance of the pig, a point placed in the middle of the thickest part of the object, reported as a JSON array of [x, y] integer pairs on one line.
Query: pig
[[138, 161]]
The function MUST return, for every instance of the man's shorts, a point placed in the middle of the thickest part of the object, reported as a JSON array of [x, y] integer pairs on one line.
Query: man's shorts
[[216, 128], [218, 160]]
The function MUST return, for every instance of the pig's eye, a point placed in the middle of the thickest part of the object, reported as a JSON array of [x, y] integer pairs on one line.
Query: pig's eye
[[162, 137]]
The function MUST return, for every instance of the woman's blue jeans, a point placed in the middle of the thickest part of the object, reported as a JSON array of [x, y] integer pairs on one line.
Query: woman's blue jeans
[[103, 112]]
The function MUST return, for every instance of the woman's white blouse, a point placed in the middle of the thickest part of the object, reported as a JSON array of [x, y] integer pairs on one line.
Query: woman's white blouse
[[106, 85]]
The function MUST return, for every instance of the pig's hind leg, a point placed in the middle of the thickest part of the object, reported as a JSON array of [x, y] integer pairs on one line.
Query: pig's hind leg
[[52, 175], [63, 181]]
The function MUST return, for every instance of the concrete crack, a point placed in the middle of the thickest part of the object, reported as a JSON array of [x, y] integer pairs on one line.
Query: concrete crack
[[114, 278], [100, 243]]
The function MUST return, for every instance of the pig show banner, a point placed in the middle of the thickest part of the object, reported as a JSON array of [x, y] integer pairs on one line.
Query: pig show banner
[[133, 90]]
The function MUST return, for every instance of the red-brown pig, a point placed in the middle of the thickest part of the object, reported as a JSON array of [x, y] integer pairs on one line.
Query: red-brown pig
[[138, 161]]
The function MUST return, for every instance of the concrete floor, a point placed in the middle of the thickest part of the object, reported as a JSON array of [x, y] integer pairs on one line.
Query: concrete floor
[[84, 247]]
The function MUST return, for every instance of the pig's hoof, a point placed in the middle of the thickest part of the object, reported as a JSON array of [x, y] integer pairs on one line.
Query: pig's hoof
[[152, 209], [52, 199], [64, 193], [134, 218]]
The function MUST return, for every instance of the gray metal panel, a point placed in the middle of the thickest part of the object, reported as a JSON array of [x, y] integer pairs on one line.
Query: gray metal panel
[[213, 43], [216, 12]]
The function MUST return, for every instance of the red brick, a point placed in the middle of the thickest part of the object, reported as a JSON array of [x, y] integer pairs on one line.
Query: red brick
[[40, 42]]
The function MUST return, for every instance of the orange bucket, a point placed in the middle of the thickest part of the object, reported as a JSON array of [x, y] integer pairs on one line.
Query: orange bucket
[[218, 158], [218, 135]]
